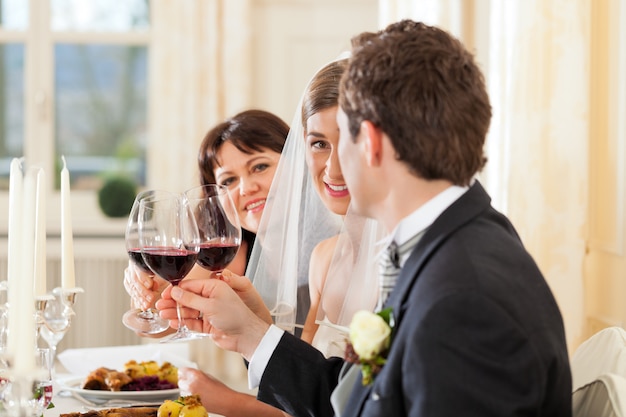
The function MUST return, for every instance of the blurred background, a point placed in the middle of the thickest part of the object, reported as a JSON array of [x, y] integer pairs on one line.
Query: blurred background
[[128, 89]]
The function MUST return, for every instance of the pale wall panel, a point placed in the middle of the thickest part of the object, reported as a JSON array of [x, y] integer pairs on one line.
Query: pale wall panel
[[605, 264], [293, 39]]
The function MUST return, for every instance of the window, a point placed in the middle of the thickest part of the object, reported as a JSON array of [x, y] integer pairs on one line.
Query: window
[[74, 82]]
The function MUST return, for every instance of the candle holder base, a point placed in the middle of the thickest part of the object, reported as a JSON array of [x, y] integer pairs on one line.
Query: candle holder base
[[41, 301], [68, 295]]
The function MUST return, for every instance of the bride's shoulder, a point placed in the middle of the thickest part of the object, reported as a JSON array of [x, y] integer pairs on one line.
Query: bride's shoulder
[[324, 249], [320, 261]]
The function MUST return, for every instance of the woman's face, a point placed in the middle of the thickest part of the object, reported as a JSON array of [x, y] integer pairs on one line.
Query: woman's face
[[321, 137], [248, 177]]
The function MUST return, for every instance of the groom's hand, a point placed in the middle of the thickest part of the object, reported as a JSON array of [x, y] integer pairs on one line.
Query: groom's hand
[[212, 306]]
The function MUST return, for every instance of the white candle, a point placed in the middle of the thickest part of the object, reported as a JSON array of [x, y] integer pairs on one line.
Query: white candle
[[14, 255], [67, 240], [40, 234], [24, 356]]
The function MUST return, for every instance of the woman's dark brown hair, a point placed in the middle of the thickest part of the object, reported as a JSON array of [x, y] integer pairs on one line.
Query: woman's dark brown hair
[[249, 131]]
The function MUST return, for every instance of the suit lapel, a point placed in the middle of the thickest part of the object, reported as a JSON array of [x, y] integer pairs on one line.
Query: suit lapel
[[342, 392], [357, 399], [467, 207]]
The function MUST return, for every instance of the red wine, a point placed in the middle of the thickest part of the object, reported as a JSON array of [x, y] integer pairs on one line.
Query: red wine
[[135, 255], [215, 256], [172, 264]]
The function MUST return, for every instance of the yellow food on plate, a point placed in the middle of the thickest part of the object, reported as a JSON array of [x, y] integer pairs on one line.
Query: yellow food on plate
[[141, 369], [188, 406], [170, 408], [167, 371]]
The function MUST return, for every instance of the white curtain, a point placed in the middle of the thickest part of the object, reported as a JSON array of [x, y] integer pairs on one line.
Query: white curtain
[[200, 62], [446, 14], [537, 71]]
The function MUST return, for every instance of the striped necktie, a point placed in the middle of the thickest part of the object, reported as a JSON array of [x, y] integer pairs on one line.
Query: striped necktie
[[389, 267]]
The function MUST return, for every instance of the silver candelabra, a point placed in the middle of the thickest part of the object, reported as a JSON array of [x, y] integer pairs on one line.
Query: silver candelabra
[[22, 394]]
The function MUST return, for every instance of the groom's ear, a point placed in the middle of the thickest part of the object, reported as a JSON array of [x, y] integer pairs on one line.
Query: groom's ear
[[373, 140]]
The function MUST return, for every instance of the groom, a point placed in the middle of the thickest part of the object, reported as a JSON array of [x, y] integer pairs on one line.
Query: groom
[[476, 328]]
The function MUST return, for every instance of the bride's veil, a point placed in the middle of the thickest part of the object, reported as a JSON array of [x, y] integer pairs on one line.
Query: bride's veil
[[294, 221], [351, 283]]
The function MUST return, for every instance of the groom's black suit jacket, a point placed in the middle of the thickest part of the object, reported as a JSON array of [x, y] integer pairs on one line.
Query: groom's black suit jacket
[[478, 333]]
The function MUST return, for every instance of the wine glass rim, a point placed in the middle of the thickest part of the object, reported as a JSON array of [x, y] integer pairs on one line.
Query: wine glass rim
[[144, 195], [148, 203], [193, 193], [154, 195]]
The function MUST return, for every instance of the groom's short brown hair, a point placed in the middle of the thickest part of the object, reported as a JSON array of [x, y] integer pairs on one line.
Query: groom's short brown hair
[[423, 89]]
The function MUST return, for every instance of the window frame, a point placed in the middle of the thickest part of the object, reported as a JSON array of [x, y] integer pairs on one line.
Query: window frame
[[39, 41]]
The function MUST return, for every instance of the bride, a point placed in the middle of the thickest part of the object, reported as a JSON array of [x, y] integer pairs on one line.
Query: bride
[[309, 232], [338, 259]]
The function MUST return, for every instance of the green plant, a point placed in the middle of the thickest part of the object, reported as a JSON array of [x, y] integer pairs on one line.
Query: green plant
[[116, 196]]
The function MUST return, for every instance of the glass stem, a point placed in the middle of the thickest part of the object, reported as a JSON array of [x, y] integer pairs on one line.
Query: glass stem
[[181, 322], [146, 314]]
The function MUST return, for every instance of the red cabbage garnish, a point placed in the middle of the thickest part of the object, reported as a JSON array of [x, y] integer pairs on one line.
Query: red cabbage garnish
[[148, 383]]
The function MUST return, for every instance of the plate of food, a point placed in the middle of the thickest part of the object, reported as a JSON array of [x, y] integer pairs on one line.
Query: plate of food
[[143, 381]]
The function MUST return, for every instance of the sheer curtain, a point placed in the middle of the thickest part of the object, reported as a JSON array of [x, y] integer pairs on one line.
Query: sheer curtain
[[535, 54], [200, 63]]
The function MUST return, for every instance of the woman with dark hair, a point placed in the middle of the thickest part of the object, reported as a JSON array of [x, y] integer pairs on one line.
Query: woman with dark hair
[[240, 153]]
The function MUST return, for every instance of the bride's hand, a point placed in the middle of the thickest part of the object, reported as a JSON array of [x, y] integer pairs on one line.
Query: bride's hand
[[248, 294]]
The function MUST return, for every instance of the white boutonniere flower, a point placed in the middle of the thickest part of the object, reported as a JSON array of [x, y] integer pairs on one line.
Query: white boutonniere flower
[[370, 339]]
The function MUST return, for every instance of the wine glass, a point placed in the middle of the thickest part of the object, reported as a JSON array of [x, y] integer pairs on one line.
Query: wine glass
[[218, 225], [57, 318], [144, 321], [169, 241]]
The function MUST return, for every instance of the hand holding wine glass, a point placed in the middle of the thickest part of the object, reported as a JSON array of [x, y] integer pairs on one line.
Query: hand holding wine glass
[[218, 226], [169, 241], [142, 320]]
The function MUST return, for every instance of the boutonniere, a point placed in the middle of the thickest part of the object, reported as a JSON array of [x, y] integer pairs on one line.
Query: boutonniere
[[370, 339]]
